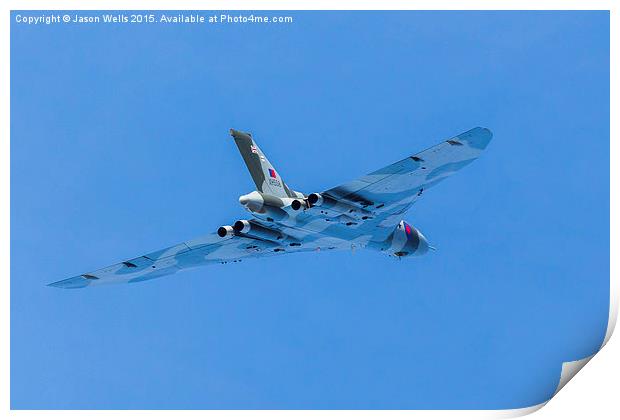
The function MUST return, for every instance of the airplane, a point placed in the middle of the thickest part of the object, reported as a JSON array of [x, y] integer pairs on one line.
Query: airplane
[[364, 213]]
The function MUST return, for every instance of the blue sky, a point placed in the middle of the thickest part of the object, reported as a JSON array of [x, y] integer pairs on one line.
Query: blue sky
[[120, 146]]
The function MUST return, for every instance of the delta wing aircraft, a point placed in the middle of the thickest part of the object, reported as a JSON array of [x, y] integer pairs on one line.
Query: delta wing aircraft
[[364, 213]]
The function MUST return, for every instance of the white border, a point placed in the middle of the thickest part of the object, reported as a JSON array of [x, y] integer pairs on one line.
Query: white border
[[569, 369]]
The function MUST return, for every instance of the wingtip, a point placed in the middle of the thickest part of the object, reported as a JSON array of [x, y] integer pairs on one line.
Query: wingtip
[[478, 137], [71, 283], [488, 131]]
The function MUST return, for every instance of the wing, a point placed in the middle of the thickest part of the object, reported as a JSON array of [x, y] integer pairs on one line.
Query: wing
[[402, 182], [209, 249], [386, 193]]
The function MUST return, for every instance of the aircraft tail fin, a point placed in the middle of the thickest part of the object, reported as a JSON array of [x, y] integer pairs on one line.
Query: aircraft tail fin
[[264, 174]]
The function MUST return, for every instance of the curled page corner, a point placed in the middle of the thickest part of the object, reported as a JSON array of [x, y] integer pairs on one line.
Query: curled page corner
[[570, 369]]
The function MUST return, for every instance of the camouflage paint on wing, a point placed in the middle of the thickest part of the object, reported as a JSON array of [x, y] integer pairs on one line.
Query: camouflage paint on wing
[[209, 249], [414, 174], [366, 213], [390, 191]]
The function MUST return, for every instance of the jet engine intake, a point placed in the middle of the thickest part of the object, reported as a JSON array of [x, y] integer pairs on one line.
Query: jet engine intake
[[315, 199], [334, 208], [242, 226], [255, 230], [225, 231], [298, 204]]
